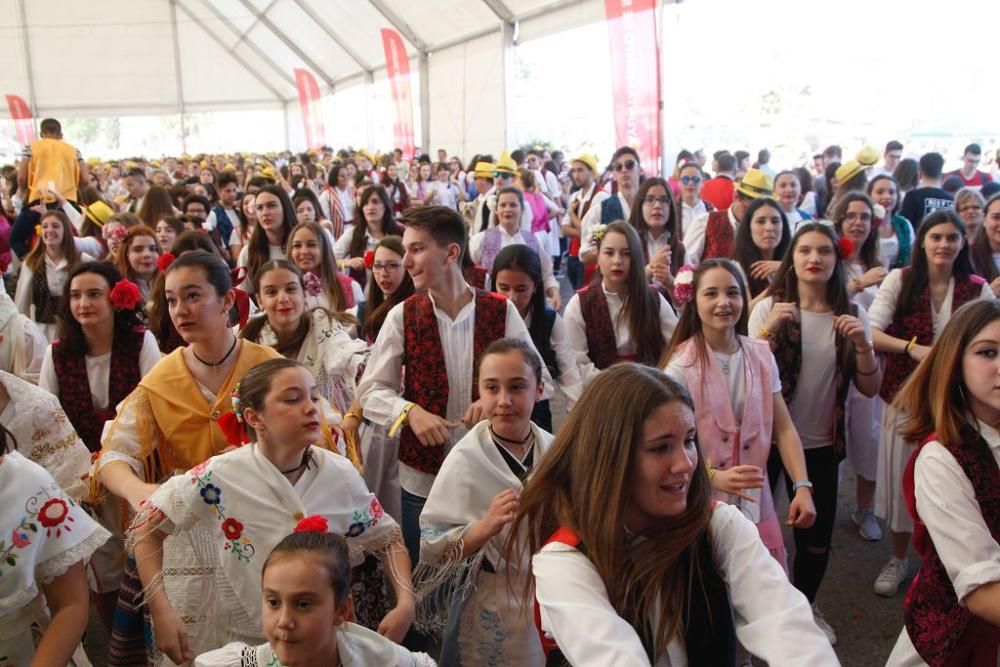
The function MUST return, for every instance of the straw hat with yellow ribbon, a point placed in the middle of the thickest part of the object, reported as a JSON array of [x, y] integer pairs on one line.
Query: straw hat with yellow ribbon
[[755, 183], [98, 213], [590, 160], [865, 158], [506, 164], [484, 170]]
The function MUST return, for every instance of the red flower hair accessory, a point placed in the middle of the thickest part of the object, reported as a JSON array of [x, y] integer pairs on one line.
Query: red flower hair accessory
[[846, 247], [313, 285], [125, 295], [165, 260], [232, 429], [312, 524], [117, 233], [369, 259]]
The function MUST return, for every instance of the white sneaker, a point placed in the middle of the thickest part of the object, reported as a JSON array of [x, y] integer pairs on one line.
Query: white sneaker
[[891, 577], [868, 528], [824, 625]]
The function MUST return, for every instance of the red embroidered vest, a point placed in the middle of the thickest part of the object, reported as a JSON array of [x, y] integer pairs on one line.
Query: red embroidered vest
[[426, 374], [920, 323], [718, 235], [475, 275], [944, 633], [74, 386], [347, 287], [602, 348]]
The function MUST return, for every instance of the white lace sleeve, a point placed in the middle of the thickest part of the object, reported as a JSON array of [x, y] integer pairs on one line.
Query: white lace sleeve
[[56, 566], [122, 438]]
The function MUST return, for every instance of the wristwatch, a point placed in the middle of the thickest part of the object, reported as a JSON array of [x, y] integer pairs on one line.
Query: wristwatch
[[802, 484]]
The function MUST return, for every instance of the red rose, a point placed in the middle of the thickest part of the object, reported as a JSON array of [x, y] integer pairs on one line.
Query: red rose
[[232, 529], [369, 259], [846, 247], [165, 260], [125, 295], [53, 512], [312, 524]]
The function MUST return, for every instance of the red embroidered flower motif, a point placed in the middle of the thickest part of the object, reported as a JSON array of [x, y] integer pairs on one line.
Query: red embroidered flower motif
[[232, 529], [313, 285], [376, 509], [20, 538], [125, 295], [53, 512], [199, 469], [369, 259], [165, 260], [312, 524], [846, 247]]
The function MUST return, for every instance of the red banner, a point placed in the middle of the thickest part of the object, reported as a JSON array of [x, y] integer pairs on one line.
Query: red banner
[[635, 74], [397, 65], [311, 107], [21, 115]]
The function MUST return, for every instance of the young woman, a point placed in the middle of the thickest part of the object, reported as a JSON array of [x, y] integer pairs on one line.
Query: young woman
[[314, 336], [391, 285], [24, 344], [692, 205], [484, 246], [306, 206], [656, 220], [43, 583], [167, 230], [517, 274], [543, 212], [398, 193], [788, 192], [632, 561], [854, 219], [373, 221], [738, 401], [951, 611], [247, 213], [822, 345], [155, 205], [970, 206], [338, 200], [309, 248], [114, 230], [619, 317], [762, 241], [895, 232], [984, 247], [309, 625], [138, 258], [464, 523], [420, 186], [44, 271], [269, 239], [235, 523], [911, 308]]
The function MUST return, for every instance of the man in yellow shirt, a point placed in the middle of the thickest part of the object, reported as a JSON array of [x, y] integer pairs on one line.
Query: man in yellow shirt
[[48, 165]]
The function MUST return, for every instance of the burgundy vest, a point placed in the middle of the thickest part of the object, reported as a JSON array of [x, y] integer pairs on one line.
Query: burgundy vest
[[475, 275], [347, 287], [919, 322], [718, 235], [426, 374], [602, 348], [74, 386], [944, 633]]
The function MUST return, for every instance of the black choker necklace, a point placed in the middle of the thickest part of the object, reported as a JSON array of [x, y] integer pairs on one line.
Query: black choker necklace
[[506, 439], [215, 366], [300, 466]]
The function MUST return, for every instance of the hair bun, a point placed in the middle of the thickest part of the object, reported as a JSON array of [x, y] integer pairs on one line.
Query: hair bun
[[312, 524]]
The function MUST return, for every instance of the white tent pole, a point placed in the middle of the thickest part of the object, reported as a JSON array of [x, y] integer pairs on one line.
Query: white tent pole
[[507, 56], [26, 47], [178, 73], [425, 102], [369, 88]]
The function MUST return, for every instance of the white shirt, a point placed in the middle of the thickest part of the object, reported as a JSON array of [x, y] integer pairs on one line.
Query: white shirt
[[506, 239], [948, 507], [444, 194], [813, 405], [569, 375], [342, 248], [593, 217], [773, 620], [346, 203], [99, 370], [690, 213], [884, 307], [866, 297], [888, 247], [581, 196], [379, 391], [56, 274], [694, 236], [576, 330]]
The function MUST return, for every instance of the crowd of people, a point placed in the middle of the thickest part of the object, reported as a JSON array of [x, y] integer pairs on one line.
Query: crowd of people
[[297, 409]]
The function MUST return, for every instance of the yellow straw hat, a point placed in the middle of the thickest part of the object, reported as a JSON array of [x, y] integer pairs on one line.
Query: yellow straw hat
[[865, 158], [755, 183], [590, 160], [506, 164], [484, 170], [98, 212]]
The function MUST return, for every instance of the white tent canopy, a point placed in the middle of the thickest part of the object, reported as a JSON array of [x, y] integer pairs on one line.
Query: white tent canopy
[[133, 57]]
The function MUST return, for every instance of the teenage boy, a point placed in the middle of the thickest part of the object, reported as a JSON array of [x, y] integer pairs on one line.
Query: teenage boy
[[223, 215], [930, 196], [437, 335], [969, 171]]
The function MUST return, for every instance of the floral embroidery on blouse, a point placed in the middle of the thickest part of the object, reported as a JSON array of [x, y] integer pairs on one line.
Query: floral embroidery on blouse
[[44, 507], [232, 529], [365, 518]]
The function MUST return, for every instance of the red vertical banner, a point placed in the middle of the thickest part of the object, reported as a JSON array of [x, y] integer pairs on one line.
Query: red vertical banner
[[635, 75], [397, 65], [311, 107], [21, 115]]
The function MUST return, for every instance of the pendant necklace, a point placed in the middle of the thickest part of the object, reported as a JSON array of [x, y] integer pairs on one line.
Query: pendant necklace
[[215, 366]]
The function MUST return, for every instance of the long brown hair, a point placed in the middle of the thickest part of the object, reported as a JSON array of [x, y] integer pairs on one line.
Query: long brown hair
[[929, 399], [689, 324], [36, 257], [155, 206], [672, 226], [328, 273], [359, 242], [583, 483], [980, 250], [285, 347], [378, 305], [640, 307], [869, 249], [121, 260], [258, 250], [915, 280]]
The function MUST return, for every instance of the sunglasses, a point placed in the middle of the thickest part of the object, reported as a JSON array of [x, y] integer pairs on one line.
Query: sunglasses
[[627, 165], [501, 174], [690, 180]]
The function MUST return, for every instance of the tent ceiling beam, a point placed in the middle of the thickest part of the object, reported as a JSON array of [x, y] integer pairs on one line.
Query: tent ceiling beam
[[321, 22], [286, 76], [290, 44], [545, 10], [399, 24], [471, 37], [179, 78], [26, 47], [501, 10], [231, 51]]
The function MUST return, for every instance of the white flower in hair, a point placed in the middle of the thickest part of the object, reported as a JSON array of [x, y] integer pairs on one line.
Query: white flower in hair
[[491, 203], [878, 211], [597, 233]]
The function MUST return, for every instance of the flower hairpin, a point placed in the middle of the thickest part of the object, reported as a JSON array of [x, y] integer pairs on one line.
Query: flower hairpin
[[684, 284], [231, 423], [846, 247], [369, 259], [597, 233], [125, 295], [165, 260], [234, 399], [312, 283], [312, 524], [491, 203], [117, 233]]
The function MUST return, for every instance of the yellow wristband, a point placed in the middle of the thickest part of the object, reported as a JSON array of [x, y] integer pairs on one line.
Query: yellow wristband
[[910, 345], [763, 333], [400, 420], [711, 470]]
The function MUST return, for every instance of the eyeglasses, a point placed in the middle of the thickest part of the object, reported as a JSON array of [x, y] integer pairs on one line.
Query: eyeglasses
[[852, 216], [690, 180], [627, 165], [653, 201], [387, 267]]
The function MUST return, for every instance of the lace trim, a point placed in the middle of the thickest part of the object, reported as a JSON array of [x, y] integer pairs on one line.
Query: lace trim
[[14, 602], [57, 565]]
